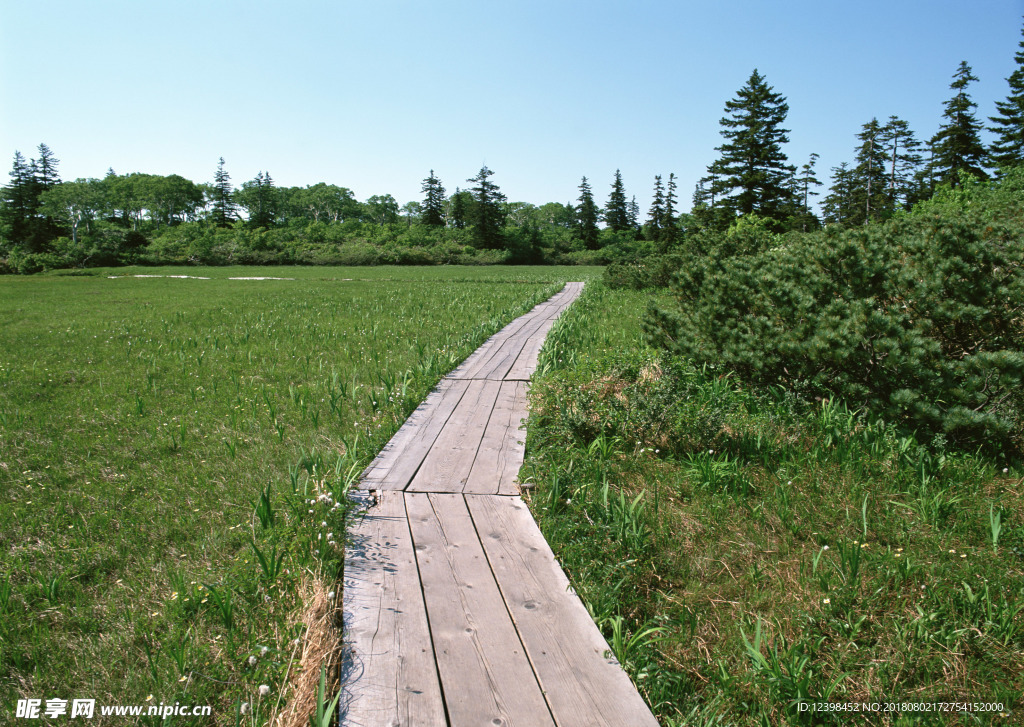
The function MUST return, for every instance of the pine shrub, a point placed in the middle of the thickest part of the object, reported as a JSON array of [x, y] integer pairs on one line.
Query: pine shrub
[[918, 320]]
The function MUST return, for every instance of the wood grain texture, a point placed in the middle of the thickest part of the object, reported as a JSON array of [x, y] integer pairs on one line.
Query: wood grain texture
[[501, 450], [396, 464], [446, 468], [486, 677], [389, 673], [584, 688]]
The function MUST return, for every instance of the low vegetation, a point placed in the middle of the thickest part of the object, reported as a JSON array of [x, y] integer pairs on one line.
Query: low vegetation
[[175, 460], [751, 548]]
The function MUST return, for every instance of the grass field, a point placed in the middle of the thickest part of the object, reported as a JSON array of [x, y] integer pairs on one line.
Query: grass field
[[173, 453], [746, 552]]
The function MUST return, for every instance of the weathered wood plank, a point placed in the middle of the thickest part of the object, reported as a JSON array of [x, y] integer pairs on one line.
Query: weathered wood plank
[[501, 358], [396, 464], [446, 467], [526, 363], [389, 673], [582, 686], [501, 450], [483, 353], [485, 675]]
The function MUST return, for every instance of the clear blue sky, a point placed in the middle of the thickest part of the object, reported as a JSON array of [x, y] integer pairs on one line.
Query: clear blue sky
[[372, 95]]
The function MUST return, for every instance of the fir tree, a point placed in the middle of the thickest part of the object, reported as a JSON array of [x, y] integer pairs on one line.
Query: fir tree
[[752, 170], [869, 198], [224, 209], [459, 213], [1008, 148], [838, 206], [433, 202], [20, 202], [669, 224], [634, 214], [487, 214], [260, 199], [656, 214], [902, 161], [586, 217], [956, 144], [616, 213]]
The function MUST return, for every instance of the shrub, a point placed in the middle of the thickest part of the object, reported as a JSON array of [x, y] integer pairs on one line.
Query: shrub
[[918, 320]]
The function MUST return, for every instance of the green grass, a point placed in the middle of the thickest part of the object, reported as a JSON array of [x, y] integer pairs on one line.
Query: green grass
[[171, 452], [745, 550]]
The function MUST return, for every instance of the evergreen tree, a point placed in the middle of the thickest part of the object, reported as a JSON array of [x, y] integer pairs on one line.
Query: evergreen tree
[[869, 198], [634, 214], [433, 202], [20, 202], [956, 144], [260, 199], [458, 209], [803, 218], [1008, 148], [656, 214], [838, 206], [586, 217], [222, 196], [902, 160], [752, 170], [616, 213], [669, 224], [487, 212]]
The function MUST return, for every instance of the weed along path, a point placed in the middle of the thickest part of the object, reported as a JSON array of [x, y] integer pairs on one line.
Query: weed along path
[[455, 610]]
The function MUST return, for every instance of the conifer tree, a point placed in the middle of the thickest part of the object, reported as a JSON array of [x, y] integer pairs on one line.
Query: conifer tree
[[838, 206], [1008, 148], [903, 160], [669, 227], [656, 214], [956, 144], [20, 202], [433, 202], [869, 198], [586, 217], [222, 196], [616, 213], [459, 214], [805, 180], [634, 214], [487, 214], [260, 199], [752, 170]]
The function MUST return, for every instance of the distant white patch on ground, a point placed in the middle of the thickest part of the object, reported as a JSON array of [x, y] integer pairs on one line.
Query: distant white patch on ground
[[193, 277], [261, 278]]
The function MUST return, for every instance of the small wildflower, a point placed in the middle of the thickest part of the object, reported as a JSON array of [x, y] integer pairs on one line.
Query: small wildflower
[[824, 547], [264, 690], [952, 550], [330, 596], [263, 651], [244, 709], [149, 698], [252, 661], [827, 600], [899, 555], [963, 555], [1006, 470]]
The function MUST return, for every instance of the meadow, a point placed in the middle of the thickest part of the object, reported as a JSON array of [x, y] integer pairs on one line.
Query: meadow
[[175, 456], [747, 551]]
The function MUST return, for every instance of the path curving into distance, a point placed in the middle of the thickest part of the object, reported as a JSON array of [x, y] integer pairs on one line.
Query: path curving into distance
[[455, 610]]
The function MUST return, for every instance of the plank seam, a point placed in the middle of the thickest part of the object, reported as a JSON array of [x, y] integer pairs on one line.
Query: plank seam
[[504, 602]]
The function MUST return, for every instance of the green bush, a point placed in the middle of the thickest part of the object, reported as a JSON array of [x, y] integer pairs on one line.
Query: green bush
[[917, 320]]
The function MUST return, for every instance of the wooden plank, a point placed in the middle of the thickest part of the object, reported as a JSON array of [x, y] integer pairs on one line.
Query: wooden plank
[[482, 354], [526, 363], [485, 675], [501, 358], [501, 450], [389, 674], [446, 467], [396, 464], [583, 687]]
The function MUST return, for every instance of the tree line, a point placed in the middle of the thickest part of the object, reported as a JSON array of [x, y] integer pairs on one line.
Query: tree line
[[138, 217]]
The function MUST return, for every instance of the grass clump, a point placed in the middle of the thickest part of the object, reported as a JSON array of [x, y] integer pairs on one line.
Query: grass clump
[[749, 550]]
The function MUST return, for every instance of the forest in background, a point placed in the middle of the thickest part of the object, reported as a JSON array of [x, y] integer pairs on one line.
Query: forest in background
[[141, 218]]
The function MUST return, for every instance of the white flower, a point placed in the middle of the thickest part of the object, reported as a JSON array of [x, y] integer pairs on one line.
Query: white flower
[[824, 547], [244, 709], [264, 690], [263, 651], [330, 595], [252, 661], [323, 524]]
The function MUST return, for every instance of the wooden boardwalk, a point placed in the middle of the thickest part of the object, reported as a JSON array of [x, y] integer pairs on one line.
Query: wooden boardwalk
[[456, 613]]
